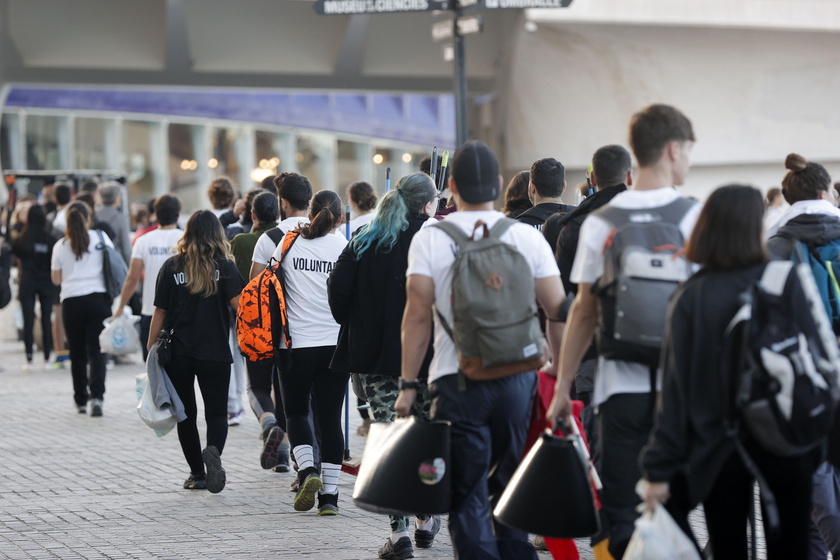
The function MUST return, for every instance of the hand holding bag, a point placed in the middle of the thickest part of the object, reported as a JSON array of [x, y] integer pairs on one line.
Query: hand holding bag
[[554, 477], [405, 468], [658, 537]]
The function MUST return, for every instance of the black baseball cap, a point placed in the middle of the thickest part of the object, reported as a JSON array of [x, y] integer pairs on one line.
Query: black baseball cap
[[475, 171]]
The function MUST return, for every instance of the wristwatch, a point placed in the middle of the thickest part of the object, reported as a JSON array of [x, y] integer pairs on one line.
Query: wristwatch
[[403, 384]]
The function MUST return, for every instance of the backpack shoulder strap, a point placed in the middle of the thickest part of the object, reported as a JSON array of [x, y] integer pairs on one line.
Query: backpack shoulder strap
[[101, 245], [775, 276], [453, 231], [275, 234], [500, 227], [288, 241]]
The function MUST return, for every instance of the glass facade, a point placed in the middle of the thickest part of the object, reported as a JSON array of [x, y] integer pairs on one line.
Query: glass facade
[[182, 155]]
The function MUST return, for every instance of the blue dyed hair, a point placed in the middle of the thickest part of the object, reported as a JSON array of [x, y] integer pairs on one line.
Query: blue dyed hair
[[409, 197]]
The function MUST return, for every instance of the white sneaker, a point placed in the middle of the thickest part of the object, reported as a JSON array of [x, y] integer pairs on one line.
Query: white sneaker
[[234, 418], [28, 366]]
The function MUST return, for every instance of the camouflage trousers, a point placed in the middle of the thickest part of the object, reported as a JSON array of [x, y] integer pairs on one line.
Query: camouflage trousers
[[381, 392]]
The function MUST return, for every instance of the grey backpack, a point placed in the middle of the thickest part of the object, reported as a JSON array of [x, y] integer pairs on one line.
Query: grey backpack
[[494, 312], [643, 265]]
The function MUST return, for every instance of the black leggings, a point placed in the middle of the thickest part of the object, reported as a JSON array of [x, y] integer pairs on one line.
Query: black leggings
[[727, 505], [213, 380], [308, 373], [261, 380], [46, 297], [83, 318]]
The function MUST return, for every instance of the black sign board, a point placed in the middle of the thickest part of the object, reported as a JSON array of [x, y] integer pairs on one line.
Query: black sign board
[[345, 7]]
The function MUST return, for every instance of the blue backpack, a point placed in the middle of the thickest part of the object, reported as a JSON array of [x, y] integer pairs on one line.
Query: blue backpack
[[824, 262]]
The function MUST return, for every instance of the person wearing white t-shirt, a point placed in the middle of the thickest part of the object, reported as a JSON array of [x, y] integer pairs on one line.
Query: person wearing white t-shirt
[[362, 200], [149, 253], [661, 138], [295, 192], [489, 419], [77, 266], [314, 335]]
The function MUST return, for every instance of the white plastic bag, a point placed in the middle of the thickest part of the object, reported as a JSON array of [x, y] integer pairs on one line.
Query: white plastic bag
[[119, 337], [658, 537], [160, 420]]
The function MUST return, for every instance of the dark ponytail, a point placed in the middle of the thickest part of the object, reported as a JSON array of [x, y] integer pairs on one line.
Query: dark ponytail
[[325, 214], [805, 180], [78, 217]]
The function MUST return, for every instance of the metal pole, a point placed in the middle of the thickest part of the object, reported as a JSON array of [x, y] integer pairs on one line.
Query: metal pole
[[460, 79]]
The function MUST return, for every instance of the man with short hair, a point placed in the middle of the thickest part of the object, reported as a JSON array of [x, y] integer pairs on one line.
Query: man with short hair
[[295, 192], [111, 195], [147, 256], [489, 418], [63, 197], [625, 392], [545, 189]]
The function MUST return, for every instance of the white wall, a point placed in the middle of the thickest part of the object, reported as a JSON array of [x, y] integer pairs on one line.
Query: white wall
[[752, 95]]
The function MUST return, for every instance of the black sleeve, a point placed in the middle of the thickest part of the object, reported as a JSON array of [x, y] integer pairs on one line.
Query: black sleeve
[[341, 285], [227, 218], [164, 285], [230, 281], [564, 253], [668, 447]]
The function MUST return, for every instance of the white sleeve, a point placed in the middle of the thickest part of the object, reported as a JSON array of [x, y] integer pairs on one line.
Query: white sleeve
[[589, 258], [55, 262], [420, 254], [139, 247], [539, 253], [263, 249]]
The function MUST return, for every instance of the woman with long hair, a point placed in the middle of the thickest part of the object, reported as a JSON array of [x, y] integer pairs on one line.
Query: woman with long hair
[[367, 298], [193, 292], [516, 195], [306, 371], [33, 250], [690, 447], [77, 266]]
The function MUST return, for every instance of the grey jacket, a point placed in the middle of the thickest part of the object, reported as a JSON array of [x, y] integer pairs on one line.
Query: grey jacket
[[163, 392]]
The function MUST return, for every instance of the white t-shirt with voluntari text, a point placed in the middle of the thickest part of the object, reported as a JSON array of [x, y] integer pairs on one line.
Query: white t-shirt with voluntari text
[[84, 276], [615, 376], [153, 249], [265, 246], [432, 254], [306, 268]]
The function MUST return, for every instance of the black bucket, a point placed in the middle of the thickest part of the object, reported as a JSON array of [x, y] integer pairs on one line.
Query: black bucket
[[550, 493], [405, 468]]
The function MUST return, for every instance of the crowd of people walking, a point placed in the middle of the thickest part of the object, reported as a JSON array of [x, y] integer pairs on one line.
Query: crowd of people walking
[[639, 292]]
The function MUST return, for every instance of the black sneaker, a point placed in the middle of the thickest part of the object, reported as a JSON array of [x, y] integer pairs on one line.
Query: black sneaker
[[328, 504], [397, 551], [96, 407], [424, 538], [215, 473], [283, 459], [195, 482], [309, 486], [270, 455]]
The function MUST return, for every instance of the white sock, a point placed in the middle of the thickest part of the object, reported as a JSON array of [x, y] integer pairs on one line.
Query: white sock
[[397, 536], [329, 477], [304, 456], [425, 525]]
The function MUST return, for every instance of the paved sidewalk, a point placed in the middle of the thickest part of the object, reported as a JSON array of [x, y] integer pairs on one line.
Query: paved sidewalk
[[74, 486]]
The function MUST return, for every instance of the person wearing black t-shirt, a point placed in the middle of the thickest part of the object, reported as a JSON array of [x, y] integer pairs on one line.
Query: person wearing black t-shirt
[[547, 183], [33, 249], [193, 291]]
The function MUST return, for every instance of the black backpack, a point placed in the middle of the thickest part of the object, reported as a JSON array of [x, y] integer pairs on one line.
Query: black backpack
[[783, 359], [785, 364]]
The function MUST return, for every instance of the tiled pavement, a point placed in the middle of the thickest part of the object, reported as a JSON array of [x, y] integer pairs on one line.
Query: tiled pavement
[[73, 486]]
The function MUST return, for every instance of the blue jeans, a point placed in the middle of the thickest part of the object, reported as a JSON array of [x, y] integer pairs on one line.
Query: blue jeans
[[490, 421]]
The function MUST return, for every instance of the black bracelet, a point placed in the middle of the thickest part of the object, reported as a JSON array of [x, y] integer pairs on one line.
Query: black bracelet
[[403, 384]]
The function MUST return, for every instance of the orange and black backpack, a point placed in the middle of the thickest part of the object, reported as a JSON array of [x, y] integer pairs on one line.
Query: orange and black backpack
[[262, 316]]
